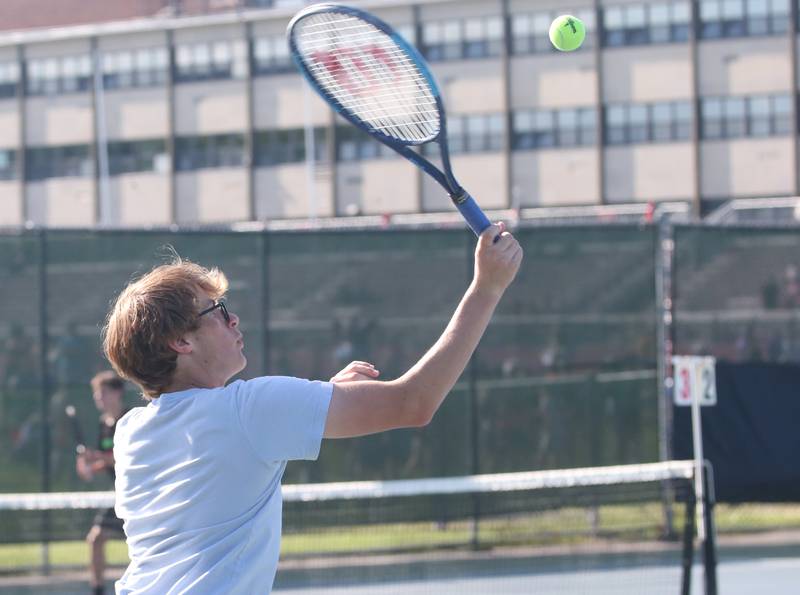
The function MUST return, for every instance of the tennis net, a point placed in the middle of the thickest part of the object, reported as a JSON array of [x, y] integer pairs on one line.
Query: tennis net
[[631, 523]]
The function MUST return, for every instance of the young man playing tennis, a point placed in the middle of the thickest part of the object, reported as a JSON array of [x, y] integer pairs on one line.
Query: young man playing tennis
[[108, 390], [199, 468]]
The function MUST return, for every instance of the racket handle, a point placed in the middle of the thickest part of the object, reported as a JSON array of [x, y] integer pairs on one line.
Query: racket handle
[[471, 212]]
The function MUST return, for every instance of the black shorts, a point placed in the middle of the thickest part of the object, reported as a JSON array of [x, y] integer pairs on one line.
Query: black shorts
[[108, 521]]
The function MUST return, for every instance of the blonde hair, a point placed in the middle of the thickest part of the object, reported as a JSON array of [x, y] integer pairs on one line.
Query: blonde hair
[[158, 308]]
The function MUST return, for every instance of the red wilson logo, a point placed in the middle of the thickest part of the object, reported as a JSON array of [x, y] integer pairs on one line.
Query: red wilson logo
[[358, 70]]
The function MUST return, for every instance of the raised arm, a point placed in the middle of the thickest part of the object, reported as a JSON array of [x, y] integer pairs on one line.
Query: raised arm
[[369, 406]]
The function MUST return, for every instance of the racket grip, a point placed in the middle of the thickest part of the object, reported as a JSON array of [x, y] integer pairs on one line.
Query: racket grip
[[471, 212]]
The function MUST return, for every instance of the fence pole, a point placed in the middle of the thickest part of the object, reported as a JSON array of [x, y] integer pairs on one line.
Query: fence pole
[[664, 255], [264, 303], [44, 397], [474, 423]]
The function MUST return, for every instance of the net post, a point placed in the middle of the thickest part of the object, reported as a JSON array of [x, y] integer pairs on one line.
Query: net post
[[710, 541], [688, 546], [475, 540]]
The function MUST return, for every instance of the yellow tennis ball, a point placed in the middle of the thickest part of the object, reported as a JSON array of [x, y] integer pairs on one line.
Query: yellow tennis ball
[[567, 33]]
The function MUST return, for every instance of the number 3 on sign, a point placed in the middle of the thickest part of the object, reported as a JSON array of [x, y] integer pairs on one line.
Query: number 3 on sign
[[694, 375]]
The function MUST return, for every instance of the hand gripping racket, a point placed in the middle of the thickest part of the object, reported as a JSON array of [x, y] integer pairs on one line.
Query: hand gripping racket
[[381, 84]]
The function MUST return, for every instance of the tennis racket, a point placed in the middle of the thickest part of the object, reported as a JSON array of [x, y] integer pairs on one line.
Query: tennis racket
[[77, 431], [381, 84]]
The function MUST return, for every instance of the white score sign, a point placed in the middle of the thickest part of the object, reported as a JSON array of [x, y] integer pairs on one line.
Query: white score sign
[[694, 375]]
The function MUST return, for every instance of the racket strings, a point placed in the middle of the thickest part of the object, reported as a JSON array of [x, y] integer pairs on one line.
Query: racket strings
[[374, 107], [369, 75]]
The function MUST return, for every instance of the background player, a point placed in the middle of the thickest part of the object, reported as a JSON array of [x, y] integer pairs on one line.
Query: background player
[[108, 390]]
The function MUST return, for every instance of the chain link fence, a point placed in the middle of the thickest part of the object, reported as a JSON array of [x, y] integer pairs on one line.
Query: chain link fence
[[566, 375], [571, 344]]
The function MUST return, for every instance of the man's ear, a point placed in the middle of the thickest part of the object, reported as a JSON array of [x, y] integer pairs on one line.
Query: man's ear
[[181, 345]]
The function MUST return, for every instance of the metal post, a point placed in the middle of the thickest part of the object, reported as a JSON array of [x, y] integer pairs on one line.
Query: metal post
[[710, 543], [795, 83], [687, 560], [22, 142], [264, 238], [511, 199], [705, 499], [249, 135], [474, 425], [171, 142], [697, 445], [599, 96], [311, 150], [664, 251], [104, 208], [697, 184], [419, 182], [44, 397]]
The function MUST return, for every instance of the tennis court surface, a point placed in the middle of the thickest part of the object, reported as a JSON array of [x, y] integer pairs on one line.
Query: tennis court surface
[[777, 576], [773, 575]]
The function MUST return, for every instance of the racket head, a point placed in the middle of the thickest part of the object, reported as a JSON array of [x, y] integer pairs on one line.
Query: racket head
[[367, 72]]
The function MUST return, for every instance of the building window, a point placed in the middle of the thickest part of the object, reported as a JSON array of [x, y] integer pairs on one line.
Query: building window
[[736, 117], [483, 37], [271, 55], [542, 129], [53, 76], [275, 147], [634, 123], [476, 133], [530, 32], [42, 163], [407, 32], [480, 37], [135, 68], [9, 79], [8, 164], [201, 152], [739, 18], [638, 24], [137, 156], [353, 144], [210, 61]]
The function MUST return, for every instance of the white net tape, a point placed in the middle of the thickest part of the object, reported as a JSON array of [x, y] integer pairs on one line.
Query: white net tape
[[473, 484]]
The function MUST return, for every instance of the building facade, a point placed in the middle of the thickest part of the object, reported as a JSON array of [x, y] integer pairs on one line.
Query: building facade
[[204, 120]]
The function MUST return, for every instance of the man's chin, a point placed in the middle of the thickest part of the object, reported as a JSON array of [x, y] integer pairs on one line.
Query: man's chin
[[238, 369]]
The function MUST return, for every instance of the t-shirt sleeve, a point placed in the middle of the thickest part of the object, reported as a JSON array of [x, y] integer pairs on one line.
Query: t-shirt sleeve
[[283, 418]]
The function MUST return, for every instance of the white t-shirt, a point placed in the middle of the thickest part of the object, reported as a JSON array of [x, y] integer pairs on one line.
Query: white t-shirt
[[198, 483]]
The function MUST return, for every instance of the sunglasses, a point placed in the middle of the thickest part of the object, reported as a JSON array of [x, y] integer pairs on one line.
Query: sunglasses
[[218, 304]]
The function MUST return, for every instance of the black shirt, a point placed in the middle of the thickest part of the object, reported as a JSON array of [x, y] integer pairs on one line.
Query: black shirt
[[105, 439]]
